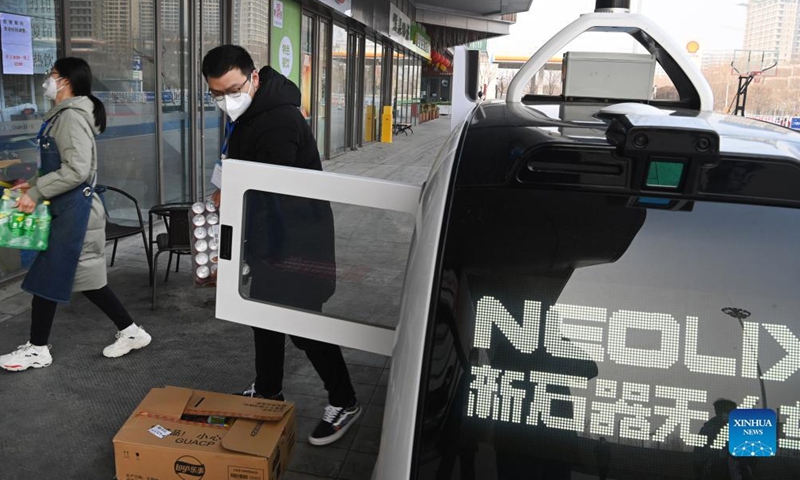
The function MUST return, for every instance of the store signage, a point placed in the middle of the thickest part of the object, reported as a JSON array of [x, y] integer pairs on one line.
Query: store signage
[[611, 407], [403, 31], [277, 14], [344, 6], [17, 43], [286, 56], [421, 39]]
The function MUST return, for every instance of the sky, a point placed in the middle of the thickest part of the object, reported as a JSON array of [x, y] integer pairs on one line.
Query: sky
[[714, 24]]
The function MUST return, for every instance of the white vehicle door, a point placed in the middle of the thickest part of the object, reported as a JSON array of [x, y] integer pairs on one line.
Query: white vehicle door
[[287, 266]]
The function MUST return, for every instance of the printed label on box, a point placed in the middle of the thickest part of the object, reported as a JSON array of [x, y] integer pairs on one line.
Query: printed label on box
[[160, 431], [242, 473]]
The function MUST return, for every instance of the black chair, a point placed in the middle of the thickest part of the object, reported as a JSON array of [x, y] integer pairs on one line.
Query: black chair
[[176, 240], [117, 201]]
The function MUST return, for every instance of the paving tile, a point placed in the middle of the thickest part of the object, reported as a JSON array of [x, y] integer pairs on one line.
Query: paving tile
[[379, 397], [367, 440], [363, 374], [384, 380], [373, 417], [290, 475], [16, 304], [319, 461], [358, 357], [358, 466]]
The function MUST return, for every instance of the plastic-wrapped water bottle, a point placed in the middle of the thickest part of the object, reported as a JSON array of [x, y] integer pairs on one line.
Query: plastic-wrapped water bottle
[[42, 219], [6, 209]]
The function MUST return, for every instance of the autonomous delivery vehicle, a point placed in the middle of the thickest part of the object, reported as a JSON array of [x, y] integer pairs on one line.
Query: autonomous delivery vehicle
[[600, 283]]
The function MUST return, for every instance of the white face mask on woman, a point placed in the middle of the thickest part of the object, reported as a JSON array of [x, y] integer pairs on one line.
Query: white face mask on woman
[[51, 87], [235, 104]]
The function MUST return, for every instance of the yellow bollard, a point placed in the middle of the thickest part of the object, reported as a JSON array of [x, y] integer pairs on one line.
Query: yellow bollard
[[369, 124], [386, 125]]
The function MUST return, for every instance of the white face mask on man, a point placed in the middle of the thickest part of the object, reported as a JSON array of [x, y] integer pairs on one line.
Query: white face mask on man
[[51, 89], [235, 104]]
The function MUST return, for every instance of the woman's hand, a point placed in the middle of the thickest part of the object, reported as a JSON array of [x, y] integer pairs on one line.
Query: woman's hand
[[24, 186], [25, 204], [216, 197]]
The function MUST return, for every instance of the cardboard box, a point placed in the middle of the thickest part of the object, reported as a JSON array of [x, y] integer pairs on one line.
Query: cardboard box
[[155, 444]]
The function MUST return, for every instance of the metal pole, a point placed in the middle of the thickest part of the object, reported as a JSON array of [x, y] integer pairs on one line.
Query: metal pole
[[193, 99], [740, 314], [159, 104]]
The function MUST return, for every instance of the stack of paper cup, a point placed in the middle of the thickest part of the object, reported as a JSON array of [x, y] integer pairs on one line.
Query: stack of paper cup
[[205, 243]]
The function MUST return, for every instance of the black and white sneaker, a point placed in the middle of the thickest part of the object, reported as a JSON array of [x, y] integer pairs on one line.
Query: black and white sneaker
[[251, 392], [334, 424]]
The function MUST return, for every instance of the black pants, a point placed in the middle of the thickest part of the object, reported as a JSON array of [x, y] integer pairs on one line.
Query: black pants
[[43, 312], [326, 358]]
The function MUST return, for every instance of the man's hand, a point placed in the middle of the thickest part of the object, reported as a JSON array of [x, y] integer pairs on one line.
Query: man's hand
[[216, 197], [25, 204], [24, 186]]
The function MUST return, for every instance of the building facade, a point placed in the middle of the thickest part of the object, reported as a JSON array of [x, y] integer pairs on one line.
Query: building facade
[[773, 25], [350, 58]]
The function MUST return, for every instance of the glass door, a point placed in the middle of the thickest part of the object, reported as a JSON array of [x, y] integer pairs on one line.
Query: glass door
[[339, 90], [371, 101], [211, 118], [323, 92], [307, 104], [282, 267], [174, 78]]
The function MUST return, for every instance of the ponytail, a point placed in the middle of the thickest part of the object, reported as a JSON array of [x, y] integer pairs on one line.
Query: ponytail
[[99, 113]]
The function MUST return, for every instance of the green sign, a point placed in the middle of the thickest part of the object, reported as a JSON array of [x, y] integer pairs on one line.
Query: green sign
[[285, 38]]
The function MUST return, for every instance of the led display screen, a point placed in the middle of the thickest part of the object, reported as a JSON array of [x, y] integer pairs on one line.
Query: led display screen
[[578, 336]]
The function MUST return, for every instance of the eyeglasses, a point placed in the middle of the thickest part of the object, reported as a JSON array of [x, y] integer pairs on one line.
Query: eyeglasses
[[52, 72], [234, 92]]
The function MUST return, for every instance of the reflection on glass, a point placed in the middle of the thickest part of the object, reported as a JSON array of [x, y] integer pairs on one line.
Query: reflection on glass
[[303, 252], [118, 40], [212, 117], [608, 344], [250, 28], [174, 97], [22, 103], [338, 90]]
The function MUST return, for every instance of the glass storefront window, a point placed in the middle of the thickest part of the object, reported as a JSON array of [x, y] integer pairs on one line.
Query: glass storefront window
[[212, 117], [307, 70], [338, 90], [251, 28], [22, 102], [175, 100], [118, 40]]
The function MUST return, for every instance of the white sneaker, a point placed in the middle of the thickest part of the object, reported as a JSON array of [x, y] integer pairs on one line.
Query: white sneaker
[[127, 341], [25, 357]]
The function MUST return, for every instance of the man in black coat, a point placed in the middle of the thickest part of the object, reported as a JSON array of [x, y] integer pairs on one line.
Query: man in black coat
[[289, 241]]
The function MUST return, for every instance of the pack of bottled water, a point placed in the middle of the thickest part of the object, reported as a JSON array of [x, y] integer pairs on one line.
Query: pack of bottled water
[[25, 231]]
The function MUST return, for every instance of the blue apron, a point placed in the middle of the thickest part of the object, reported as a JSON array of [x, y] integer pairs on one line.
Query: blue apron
[[52, 274]]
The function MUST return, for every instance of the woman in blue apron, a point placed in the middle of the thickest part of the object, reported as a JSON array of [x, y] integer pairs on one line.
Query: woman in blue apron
[[75, 260]]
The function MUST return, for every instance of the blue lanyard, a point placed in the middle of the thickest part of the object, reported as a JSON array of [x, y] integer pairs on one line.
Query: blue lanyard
[[41, 132], [228, 131]]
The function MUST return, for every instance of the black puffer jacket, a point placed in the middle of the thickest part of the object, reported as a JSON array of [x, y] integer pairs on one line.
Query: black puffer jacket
[[289, 240]]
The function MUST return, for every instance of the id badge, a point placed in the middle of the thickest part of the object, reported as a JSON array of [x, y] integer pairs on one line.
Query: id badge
[[216, 176]]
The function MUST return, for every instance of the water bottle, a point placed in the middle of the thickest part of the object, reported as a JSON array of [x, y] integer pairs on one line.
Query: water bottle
[[43, 219], [6, 209]]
